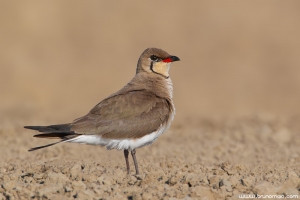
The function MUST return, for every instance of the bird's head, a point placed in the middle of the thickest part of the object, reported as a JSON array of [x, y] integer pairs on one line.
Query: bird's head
[[155, 61]]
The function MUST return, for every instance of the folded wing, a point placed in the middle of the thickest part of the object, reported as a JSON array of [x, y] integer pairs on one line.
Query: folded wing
[[129, 115]]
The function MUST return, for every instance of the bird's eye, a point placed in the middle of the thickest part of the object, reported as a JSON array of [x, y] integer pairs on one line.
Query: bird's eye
[[154, 58]]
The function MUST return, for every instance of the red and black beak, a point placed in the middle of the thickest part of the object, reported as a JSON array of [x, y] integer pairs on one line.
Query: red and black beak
[[171, 59]]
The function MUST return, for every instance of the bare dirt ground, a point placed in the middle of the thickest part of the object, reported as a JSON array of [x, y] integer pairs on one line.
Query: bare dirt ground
[[236, 91], [199, 159]]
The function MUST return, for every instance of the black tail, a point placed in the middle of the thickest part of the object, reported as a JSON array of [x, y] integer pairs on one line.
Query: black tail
[[51, 128], [48, 145], [60, 131], [56, 135]]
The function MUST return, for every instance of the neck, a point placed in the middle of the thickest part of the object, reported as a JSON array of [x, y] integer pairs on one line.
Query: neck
[[160, 85]]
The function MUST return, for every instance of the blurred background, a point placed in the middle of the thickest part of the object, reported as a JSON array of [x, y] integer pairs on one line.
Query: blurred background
[[60, 58]]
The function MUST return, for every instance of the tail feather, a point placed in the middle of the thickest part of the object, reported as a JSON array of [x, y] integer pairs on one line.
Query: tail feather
[[57, 135], [48, 145], [59, 131], [58, 127]]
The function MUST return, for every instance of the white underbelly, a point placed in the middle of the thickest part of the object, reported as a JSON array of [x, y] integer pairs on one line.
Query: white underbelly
[[119, 144]]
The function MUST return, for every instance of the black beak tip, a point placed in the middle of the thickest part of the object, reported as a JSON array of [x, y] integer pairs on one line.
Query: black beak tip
[[174, 58]]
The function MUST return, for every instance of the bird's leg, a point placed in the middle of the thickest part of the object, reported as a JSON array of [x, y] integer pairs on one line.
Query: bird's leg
[[127, 161], [135, 162]]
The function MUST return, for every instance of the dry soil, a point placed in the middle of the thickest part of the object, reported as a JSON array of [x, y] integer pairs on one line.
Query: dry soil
[[203, 158]]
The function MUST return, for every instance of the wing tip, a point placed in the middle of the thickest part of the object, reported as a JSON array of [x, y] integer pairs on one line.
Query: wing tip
[[28, 127], [36, 128]]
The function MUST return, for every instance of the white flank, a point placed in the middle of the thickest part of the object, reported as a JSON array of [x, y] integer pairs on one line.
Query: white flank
[[129, 144], [121, 144]]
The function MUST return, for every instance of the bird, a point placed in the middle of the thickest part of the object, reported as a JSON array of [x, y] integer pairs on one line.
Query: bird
[[131, 118]]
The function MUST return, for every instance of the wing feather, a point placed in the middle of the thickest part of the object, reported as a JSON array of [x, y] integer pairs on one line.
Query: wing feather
[[129, 115]]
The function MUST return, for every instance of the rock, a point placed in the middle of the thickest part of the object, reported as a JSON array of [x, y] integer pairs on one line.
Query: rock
[[188, 177], [234, 181], [203, 192], [38, 176], [193, 179], [150, 180], [68, 189], [147, 196], [183, 188], [57, 177], [172, 181], [136, 196], [214, 181], [132, 180], [78, 185], [228, 168], [76, 167], [224, 183], [248, 181], [76, 172]]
